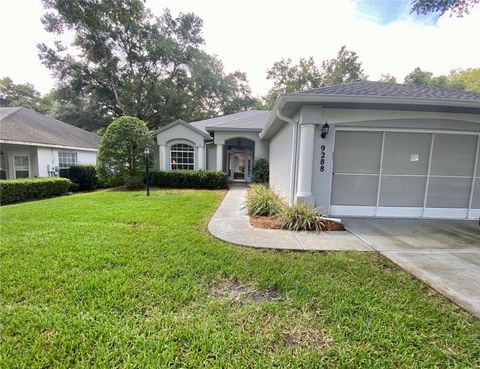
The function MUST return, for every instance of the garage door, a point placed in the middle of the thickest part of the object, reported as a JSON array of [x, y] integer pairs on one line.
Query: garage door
[[406, 174]]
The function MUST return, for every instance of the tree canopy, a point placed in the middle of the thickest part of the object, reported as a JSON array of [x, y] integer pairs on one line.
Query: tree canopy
[[25, 95], [456, 7], [460, 79], [289, 77], [123, 60]]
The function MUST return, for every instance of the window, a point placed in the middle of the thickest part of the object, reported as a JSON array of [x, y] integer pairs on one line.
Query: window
[[3, 166], [65, 161], [182, 157], [21, 164]]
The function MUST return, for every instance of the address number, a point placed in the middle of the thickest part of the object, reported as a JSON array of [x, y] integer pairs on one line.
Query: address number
[[322, 158]]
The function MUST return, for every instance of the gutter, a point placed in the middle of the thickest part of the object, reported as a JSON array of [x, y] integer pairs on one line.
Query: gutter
[[307, 98], [294, 153]]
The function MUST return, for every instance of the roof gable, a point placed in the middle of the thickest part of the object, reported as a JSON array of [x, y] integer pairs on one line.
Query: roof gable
[[183, 123]]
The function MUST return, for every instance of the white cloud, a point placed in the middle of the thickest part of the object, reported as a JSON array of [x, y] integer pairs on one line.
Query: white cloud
[[251, 35]]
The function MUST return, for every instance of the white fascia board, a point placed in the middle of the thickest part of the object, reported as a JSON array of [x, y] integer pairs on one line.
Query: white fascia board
[[379, 100], [232, 129], [46, 145]]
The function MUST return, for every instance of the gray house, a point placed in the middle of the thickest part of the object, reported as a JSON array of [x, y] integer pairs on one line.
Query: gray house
[[35, 145], [361, 149]]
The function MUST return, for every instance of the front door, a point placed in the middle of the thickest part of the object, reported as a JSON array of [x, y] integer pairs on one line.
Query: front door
[[237, 166]]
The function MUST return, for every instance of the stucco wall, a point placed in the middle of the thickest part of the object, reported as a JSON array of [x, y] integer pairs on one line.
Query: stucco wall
[[175, 135], [40, 157], [180, 132], [281, 161], [211, 157]]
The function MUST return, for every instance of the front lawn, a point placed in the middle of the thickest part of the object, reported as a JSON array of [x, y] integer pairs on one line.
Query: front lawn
[[116, 279]]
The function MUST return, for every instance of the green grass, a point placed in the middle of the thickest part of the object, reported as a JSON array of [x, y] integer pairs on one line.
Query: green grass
[[116, 279]]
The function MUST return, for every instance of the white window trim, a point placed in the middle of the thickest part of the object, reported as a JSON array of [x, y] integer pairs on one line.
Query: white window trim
[[15, 169], [413, 212], [172, 144]]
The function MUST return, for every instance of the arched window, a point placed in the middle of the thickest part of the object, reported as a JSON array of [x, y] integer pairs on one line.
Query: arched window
[[182, 157]]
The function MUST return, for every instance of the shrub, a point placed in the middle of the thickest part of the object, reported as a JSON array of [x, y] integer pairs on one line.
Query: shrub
[[260, 171], [301, 217], [85, 176], [121, 150], [18, 190], [134, 182], [208, 179], [261, 200]]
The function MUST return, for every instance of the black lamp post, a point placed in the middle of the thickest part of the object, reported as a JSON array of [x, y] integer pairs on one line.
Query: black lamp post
[[147, 154], [325, 129]]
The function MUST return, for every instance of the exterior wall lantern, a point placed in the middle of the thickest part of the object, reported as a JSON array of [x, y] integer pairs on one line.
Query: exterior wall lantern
[[325, 129], [146, 152]]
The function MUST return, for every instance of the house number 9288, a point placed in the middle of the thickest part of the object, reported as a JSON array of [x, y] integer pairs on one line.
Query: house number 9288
[[322, 158]]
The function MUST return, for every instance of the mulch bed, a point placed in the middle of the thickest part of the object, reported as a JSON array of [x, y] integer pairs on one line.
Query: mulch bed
[[272, 223]]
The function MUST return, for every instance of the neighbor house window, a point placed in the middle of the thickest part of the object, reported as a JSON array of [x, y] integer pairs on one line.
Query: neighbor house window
[[21, 164], [65, 161], [182, 157], [3, 166]]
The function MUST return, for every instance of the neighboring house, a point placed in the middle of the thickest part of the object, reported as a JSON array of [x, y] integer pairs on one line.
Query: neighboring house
[[391, 150], [35, 145]]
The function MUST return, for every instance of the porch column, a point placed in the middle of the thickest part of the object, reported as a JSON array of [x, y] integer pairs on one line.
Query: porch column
[[200, 157], [219, 156], [305, 163], [162, 158]]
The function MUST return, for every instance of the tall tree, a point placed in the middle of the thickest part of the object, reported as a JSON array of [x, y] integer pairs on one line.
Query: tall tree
[[386, 77], [345, 68], [465, 79], [289, 77], [460, 79], [457, 7], [418, 77], [125, 61], [25, 95]]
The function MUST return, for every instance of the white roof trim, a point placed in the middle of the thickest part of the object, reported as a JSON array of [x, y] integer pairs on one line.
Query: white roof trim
[[329, 98], [13, 142]]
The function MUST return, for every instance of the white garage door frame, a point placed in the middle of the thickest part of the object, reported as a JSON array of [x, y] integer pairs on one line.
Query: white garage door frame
[[412, 212]]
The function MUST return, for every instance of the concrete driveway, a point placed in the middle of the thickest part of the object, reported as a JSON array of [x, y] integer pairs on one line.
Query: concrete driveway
[[443, 253]]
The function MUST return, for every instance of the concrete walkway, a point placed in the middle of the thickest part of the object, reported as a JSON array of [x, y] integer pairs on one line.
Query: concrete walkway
[[231, 223]]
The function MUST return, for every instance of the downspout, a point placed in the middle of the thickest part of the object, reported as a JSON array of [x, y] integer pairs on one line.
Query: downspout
[[294, 153]]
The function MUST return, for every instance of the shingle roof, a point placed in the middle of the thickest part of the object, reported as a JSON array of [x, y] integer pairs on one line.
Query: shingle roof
[[385, 89], [246, 120], [25, 125]]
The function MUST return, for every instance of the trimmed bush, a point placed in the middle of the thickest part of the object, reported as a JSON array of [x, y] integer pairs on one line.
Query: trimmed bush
[[301, 217], [134, 182], [207, 179], [18, 190], [85, 176], [262, 201], [260, 171]]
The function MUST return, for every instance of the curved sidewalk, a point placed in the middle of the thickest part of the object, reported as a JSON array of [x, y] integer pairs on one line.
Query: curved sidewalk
[[231, 223]]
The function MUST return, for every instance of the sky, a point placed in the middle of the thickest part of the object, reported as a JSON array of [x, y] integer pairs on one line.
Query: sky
[[250, 35]]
